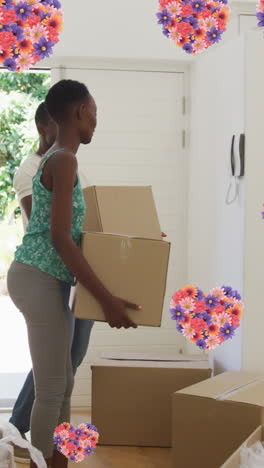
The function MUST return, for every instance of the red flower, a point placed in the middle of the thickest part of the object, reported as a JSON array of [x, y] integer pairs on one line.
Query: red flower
[[206, 13], [197, 324], [184, 29], [53, 35], [187, 10], [164, 3], [33, 21], [7, 40], [199, 306], [9, 16], [20, 23], [235, 322], [35, 59], [221, 24]]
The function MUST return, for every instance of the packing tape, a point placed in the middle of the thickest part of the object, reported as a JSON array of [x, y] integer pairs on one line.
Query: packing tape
[[234, 391], [125, 247]]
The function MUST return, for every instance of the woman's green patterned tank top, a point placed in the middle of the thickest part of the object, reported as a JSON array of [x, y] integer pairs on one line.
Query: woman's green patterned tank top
[[37, 249]]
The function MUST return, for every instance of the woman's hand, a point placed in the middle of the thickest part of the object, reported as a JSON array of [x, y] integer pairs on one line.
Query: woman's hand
[[115, 312]]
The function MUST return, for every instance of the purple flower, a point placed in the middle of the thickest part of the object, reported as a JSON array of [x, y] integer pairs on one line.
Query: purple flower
[[199, 296], [227, 331], [193, 22], [188, 48], [10, 64], [15, 52], [186, 2], [198, 6], [17, 31], [179, 327], [8, 4], [57, 439], [91, 427], [54, 3], [4, 27], [23, 10], [43, 48], [207, 318], [214, 35], [43, 15], [228, 291], [177, 313], [211, 301], [79, 432], [164, 18], [260, 17], [201, 344], [236, 295], [88, 450], [166, 33]]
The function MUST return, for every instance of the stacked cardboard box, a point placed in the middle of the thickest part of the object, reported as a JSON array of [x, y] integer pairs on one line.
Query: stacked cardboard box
[[125, 249], [131, 395], [213, 418]]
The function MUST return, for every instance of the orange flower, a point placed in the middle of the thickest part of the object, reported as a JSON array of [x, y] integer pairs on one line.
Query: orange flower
[[26, 46], [55, 22], [190, 291], [199, 34], [4, 54]]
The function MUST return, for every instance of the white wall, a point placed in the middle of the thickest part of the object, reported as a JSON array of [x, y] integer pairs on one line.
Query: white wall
[[253, 343], [123, 28], [215, 229]]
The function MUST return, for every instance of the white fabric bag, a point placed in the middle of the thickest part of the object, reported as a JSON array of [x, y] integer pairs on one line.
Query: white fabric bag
[[10, 434], [252, 457]]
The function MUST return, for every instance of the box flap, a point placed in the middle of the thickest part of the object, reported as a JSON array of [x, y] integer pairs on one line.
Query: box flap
[[126, 237], [134, 356], [195, 365], [252, 393], [221, 384], [129, 210]]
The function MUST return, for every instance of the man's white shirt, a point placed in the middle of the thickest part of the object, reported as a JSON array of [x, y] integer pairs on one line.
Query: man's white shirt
[[23, 180]]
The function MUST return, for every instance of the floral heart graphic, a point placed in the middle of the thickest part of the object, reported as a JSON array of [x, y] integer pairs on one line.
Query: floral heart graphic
[[76, 444], [207, 320], [193, 25], [29, 29]]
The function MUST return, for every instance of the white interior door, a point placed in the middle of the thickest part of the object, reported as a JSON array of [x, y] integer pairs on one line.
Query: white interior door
[[138, 141]]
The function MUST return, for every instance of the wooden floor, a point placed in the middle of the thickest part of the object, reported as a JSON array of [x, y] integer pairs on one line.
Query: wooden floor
[[117, 457]]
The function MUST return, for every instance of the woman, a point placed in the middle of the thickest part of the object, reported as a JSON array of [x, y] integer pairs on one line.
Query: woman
[[49, 257]]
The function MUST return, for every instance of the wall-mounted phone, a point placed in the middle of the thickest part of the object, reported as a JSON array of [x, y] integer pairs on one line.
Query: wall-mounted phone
[[237, 160], [238, 155]]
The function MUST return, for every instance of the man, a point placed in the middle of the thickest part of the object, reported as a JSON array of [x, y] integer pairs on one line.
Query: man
[[82, 329]]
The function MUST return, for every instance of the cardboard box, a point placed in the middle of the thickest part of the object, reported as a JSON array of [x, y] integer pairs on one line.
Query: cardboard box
[[214, 417], [131, 395], [127, 211], [132, 269], [234, 460]]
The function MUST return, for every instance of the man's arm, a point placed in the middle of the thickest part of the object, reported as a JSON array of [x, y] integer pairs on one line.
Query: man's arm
[[26, 203]]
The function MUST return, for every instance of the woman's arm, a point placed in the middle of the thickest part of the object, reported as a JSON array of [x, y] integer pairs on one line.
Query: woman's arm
[[64, 171], [26, 203]]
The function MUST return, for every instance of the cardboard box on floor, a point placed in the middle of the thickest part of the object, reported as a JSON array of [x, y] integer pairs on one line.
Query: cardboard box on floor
[[234, 460], [212, 418], [129, 211], [133, 269], [131, 395]]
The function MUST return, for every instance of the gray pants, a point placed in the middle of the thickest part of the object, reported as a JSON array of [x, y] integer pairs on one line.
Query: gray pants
[[39, 297]]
